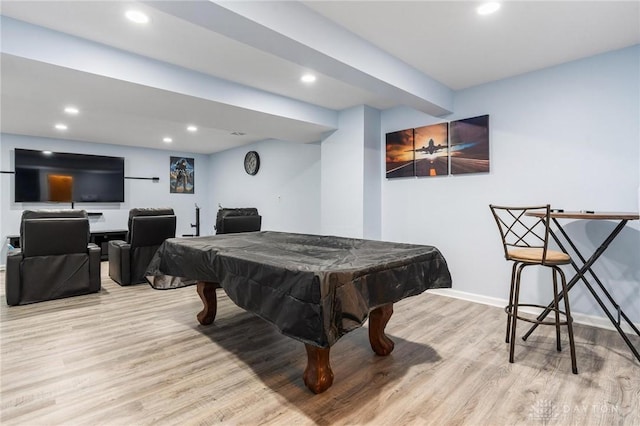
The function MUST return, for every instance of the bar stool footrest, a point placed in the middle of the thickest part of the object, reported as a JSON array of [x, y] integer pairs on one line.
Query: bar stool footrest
[[508, 309]]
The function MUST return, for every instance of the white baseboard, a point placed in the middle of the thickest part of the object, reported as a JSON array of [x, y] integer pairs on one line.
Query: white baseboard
[[578, 318]]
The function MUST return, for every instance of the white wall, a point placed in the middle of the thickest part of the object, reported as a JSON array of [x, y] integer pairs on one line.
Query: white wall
[[567, 135], [342, 176], [286, 189], [139, 162], [351, 197], [373, 169]]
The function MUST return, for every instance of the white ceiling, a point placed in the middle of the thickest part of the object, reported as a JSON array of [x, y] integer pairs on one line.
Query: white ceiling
[[256, 47]]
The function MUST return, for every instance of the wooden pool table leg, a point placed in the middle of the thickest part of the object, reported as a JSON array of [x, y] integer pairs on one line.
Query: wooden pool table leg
[[378, 319], [318, 375], [207, 292]]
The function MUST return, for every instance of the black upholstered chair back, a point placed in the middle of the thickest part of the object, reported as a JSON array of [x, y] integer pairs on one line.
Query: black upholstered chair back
[[148, 228], [30, 216], [137, 214], [51, 237], [233, 220], [152, 230]]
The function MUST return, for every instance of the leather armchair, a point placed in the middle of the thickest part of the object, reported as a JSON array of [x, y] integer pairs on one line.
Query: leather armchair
[[230, 221], [147, 229], [55, 258]]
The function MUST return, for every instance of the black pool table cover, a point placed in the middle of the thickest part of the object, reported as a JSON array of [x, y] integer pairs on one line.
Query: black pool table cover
[[313, 288]]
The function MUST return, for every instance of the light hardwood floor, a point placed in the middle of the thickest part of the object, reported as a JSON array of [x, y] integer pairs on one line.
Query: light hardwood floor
[[137, 356]]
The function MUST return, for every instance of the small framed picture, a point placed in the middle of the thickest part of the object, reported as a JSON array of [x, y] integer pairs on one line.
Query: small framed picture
[[181, 175]]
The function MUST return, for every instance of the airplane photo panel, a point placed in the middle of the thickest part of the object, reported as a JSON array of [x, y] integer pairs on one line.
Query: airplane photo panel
[[431, 150], [469, 149], [400, 154]]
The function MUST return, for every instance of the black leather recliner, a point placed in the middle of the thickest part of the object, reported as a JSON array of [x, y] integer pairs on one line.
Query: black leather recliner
[[55, 258], [230, 221], [147, 229]]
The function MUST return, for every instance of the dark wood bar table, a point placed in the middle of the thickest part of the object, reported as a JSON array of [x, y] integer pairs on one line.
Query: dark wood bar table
[[557, 231]]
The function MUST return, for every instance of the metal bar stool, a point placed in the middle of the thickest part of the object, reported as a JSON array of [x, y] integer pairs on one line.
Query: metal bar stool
[[525, 241]]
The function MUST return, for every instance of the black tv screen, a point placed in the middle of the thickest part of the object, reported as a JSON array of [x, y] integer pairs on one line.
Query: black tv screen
[[44, 176]]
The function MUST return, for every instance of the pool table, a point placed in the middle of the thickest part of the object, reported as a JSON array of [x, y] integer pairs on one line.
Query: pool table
[[313, 288]]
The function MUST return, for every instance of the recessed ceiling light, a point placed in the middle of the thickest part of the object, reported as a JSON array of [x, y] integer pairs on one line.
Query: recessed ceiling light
[[137, 16], [308, 78], [167, 140], [47, 152], [488, 8], [61, 126], [71, 110], [192, 128]]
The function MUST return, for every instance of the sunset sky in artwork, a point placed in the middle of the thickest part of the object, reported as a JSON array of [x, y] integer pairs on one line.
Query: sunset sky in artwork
[[437, 132], [400, 146]]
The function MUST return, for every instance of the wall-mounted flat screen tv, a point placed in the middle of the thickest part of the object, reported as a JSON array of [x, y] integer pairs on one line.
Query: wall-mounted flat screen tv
[[44, 176]]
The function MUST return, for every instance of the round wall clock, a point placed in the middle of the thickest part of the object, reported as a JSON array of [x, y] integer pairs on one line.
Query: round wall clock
[[252, 162]]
